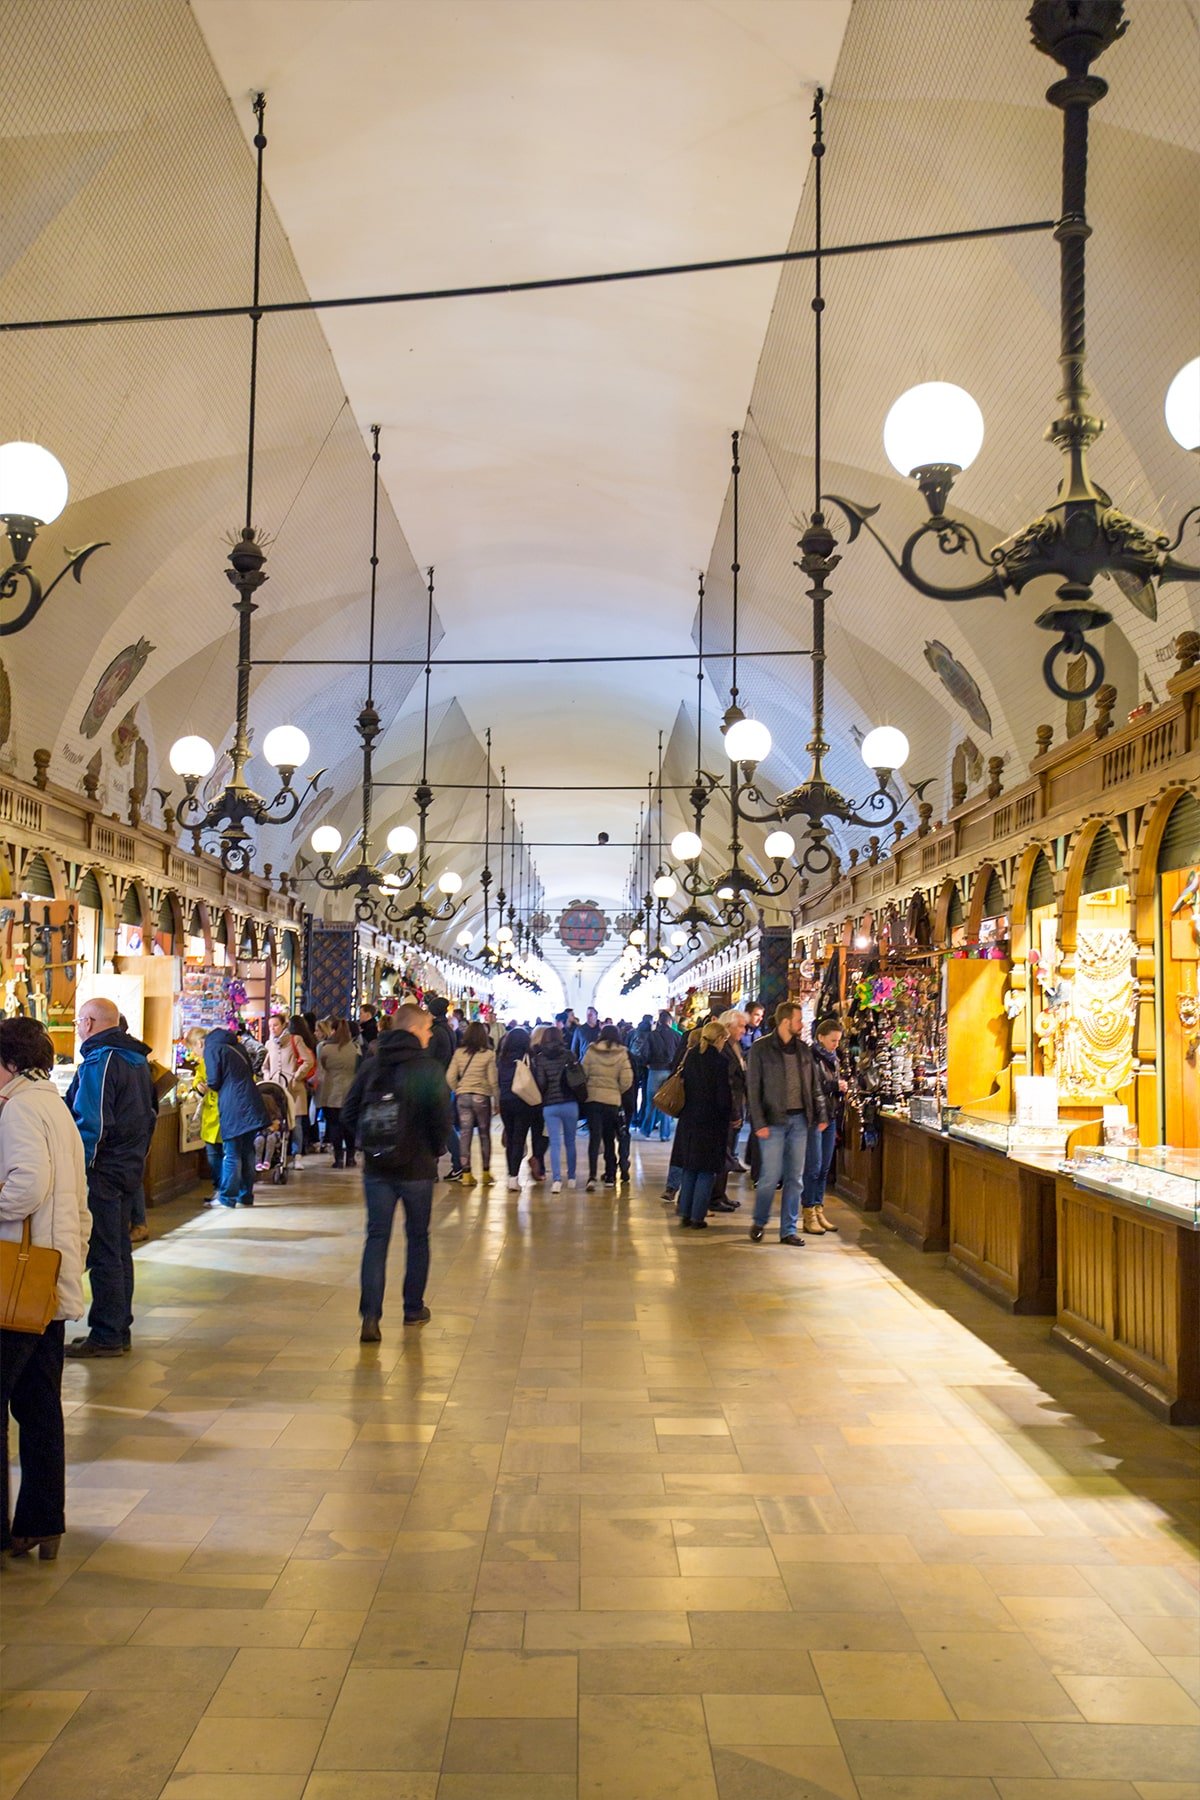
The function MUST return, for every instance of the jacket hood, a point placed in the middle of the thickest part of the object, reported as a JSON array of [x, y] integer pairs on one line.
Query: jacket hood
[[131, 1048], [397, 1047], [437, 1004], [218, 1037]]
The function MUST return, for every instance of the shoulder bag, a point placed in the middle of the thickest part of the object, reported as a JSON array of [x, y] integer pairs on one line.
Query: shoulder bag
[[524, 1084], [28, 1283], [669, 1096], [575, 1082]]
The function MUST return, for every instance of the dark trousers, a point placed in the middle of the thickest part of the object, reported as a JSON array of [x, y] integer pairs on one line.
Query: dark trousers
[[31, 1389], [340, 1141], [216, 1161], [520, 1122], [383, 1192], [604, 1125], [110, 1266], [237, 1170], [721, 1181]]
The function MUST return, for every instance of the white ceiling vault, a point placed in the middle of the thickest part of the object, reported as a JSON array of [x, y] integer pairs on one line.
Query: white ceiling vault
[[562, 457]]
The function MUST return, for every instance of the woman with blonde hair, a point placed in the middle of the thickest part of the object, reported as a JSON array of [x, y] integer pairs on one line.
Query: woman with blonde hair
[[703, 1132]]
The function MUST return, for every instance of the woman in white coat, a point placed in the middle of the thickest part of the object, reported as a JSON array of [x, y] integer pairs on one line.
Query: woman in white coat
[[42, 1179]]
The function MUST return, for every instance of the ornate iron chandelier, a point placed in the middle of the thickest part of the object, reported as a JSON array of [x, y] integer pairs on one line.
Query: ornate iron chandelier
[[33, 492], [369, 883], [885, 749], [220, 826], [935, 430]]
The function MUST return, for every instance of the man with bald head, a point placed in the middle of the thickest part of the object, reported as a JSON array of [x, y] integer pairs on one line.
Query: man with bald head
[[112, 1099]]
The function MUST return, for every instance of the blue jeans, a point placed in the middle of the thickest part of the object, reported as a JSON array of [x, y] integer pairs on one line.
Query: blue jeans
[[782, 1155], [454, 1146], [695, 1192], [562, 1122], [237, 1170], [216, 1158], [650, 1114], [817, 1159], [382, 1193]]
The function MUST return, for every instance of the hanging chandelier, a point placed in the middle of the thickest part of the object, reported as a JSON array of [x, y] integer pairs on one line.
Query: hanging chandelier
[[33, 492], [369, 883], [220, 826], [505, 955], [935, 430], [885, 749]]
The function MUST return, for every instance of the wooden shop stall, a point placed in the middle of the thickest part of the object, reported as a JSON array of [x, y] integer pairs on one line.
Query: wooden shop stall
[[1057, 1160], [91, 905]]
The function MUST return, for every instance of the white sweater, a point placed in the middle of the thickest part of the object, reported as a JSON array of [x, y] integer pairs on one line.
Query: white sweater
[[44, 1180]]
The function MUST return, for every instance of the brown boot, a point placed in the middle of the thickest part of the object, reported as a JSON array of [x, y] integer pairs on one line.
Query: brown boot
[[825, 1223], [812, 1222]]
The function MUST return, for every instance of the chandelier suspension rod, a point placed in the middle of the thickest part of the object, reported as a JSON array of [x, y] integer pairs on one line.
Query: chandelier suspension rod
[[428, 676], [700, 680], [260, 144], [818, 308], [481, 290]]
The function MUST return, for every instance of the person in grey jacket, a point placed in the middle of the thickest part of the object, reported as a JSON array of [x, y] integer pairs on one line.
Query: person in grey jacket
[[786, 1102]]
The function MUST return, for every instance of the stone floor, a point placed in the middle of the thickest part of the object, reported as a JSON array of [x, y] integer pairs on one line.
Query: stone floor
[[639, 1514]]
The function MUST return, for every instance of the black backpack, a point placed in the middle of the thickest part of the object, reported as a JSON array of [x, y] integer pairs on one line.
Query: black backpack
[[379, 1123]]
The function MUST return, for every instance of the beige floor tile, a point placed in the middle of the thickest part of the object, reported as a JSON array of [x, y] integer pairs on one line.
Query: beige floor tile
[[930, 1787], [507, 1787], [696, 1593], [865, 1684], [650, 1671], [369, 1784], [17, 1762], [280, 1684], [992, 1675], [527, 1587], [577, 1630], [988, 1522], [644, 1747], [1166, 1636], [390, 1719], [904, 1748], [114, 1745], [1031, 1788], [768, 1719], [516, 1684], [1131, 1700], [196, 1626], [206, 1786], [707, 1560], [252, 1746], [35, 1717], [498, 1746], [1186, 1671], [1122, 1752]]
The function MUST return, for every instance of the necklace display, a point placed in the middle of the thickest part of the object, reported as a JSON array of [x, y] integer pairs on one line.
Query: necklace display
[[1095, 1035]]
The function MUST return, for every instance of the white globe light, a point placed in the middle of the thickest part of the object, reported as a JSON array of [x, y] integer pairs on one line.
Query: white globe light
[[725, 892], [678, 938], [747, 741], [780, 845], [401, 840], [33, 484], [637, 936], [391, 882], [449, 883], [504, 935], [885, 748], [933, 423], [465, 938], [193, 756], [685, 846], [286, 747], [1182, 406], [326, 840], [665, 887]]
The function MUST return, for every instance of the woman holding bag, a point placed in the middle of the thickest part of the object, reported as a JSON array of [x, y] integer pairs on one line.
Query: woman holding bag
[[473, 1082], [42, 1180], [520, 1114]]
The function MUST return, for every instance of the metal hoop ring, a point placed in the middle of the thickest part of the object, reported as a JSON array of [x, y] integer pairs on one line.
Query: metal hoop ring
[[1080, 648]]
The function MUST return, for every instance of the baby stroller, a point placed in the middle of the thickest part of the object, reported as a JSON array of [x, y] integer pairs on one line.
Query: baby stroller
[[273, 1145]]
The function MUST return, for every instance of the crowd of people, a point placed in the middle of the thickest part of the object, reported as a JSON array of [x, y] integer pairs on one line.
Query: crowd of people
[[394, 1094]]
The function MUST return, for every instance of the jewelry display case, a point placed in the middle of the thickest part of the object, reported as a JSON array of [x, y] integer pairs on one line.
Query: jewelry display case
[[1010, 1136], [1166, 1181]]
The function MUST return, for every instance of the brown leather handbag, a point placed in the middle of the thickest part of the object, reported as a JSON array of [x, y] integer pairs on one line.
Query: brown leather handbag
[[28, 1283]]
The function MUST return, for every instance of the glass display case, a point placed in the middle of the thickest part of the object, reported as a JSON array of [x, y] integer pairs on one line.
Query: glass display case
[[1164, 1180], [1010, 1136]]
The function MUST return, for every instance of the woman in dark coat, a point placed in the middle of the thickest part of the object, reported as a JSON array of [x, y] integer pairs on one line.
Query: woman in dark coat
[[703, 1133]]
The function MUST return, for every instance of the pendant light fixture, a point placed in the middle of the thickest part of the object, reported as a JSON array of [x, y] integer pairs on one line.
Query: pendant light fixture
[[885, 749], [369, 882], [224, 821], [33, 492], [934, 431]]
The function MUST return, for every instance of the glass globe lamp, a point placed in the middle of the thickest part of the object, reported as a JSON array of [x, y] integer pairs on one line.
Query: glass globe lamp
[[504, 935], [286, 747], [747, 741], [326, 840], [685, 846], [402, 840], [885, 748], [665, 887], [465, 938], [780, 845], [33, 484], [193, 758], [450, 882], [637, 937], [1182, 406], [678, 938], [933, 425]]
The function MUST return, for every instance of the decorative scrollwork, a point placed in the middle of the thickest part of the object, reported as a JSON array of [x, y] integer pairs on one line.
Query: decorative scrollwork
[[20, 572]]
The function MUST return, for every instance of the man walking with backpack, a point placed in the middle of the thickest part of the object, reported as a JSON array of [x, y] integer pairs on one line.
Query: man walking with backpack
[[399, 1110]]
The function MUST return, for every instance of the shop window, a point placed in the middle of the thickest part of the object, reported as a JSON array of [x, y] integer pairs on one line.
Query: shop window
[[130, 941], [221, 945], [164, 934], [1041, 884], [36, 883]]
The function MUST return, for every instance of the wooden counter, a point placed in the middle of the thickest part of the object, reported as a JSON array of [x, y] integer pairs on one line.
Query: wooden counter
[[169, 1171], [1128, 1299], [1002, 1226], [859, 1170], [914, 1183]]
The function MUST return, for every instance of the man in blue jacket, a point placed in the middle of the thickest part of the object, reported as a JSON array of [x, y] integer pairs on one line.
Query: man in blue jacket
[[112, 1099], [241, 1112]]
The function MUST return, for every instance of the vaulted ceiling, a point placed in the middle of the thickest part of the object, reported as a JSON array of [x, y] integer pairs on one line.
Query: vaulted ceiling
[[562, 458]]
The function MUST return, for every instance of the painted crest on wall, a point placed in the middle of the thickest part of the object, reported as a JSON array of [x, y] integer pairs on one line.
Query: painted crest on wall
[[582, 927], [959, 683], [119, 676]]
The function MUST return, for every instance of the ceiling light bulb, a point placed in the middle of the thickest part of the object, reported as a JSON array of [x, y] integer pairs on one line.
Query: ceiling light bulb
[[637, 936], [286, 747], [33, 484], [725, 892], [933, 424], [679, 938], [862, 941], [392, 883], [326, 840], [193, 756], [505, 934], [450, 883], [780, 845], [885, 748], [1182, 406], [401, 840], [665, 887], [747, 741], [465, 938], [685, 846]]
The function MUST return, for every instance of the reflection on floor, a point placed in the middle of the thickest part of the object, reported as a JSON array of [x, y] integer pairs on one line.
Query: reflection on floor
[[640, 1513]]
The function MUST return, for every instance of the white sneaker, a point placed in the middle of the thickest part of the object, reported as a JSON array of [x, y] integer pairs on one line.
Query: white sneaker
[[514, 1186], [556, 1187]]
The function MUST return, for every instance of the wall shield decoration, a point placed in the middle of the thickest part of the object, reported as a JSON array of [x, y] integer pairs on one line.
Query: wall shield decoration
[[582, 927]]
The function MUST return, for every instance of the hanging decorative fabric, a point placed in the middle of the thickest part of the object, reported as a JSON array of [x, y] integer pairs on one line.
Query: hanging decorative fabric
[[1096, 1044]]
